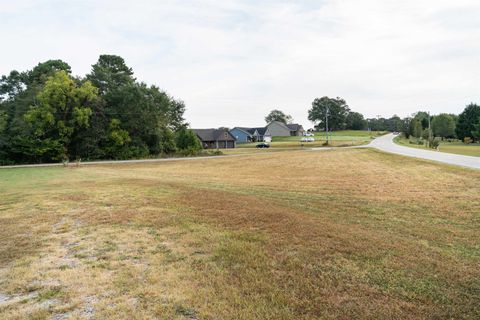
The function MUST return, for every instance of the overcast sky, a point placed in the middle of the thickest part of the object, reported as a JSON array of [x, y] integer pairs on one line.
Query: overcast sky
[[233, 61]]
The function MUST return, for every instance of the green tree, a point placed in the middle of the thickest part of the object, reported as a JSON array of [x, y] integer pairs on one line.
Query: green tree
[[467, 121], [422, 116], [277, 115], [186, 139], [110, 73], [62, 108], [476, 130], [337, 110], [43, 70], [355, 121], [416, 128], [443, 126], [118, 141]]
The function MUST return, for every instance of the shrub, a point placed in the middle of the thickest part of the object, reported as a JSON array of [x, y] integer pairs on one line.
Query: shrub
[[215, 152], [434, 143], [189, 152], [416, 141], [467, 140], [186, 139]]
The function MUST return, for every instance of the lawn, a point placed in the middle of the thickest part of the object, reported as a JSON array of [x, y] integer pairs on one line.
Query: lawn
[[472, 149], [344, 138], [348, 233]]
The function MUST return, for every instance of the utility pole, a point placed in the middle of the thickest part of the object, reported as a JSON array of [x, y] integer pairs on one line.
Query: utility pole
[[429, 131], [326, 122]]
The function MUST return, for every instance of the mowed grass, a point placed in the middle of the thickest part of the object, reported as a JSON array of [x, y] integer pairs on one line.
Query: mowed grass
[[344, 138], [472, 149], [349, 234]]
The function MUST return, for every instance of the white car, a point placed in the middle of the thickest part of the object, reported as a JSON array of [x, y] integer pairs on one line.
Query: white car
[[307, 139], [308, 134]]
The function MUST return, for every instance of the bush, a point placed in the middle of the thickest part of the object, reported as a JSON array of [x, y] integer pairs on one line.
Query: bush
[[434, 143], [416, 141], [467, 140], [215, 152], [189, 152], [186, 140]]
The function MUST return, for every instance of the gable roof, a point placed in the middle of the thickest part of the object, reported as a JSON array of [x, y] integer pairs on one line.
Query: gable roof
[[294, 126], [213, 135], [279, 123], [260, 130], [244, 129], [251, 131]]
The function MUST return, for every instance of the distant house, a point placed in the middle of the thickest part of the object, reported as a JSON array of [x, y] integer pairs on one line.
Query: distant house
[[244, 134], [296, 129], [280, 129], [215, 138]]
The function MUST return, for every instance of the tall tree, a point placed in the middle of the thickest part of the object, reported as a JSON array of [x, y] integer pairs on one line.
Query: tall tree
[[277, 115], [467, 120], [109, 73], [416, 128], [422, 116], [62, 109], [443, 126], [355, 121], [337, 112]]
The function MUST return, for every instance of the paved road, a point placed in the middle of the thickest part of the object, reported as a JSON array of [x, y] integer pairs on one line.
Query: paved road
[[385, 143]]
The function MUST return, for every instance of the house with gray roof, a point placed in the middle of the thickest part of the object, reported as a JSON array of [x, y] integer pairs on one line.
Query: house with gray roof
[[215, 138], [280, 129], [244, 134]]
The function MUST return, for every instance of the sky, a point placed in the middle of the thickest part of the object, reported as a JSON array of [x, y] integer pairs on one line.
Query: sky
[[232, 62]]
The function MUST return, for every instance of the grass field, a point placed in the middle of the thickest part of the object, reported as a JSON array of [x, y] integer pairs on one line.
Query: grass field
[[448, 147], [343, 138], [349, 234]]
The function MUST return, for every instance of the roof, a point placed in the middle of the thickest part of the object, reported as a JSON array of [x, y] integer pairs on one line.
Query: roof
[[294, 126], [244, 129], [213, 134], [281, 124], [260, 130]]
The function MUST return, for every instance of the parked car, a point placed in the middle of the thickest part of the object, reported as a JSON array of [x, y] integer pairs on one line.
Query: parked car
[[307, 139], [262, 145], [309, 134]]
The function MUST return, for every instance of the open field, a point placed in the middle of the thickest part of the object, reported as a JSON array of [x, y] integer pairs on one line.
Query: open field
[[448, 147], [350, 234], [345, 138]]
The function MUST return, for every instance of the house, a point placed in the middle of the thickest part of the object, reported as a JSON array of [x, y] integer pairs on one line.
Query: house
[[280, 129], [296, 129], [244, 134], [215, 138]]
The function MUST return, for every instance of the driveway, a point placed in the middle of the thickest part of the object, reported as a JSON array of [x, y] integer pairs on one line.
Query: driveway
[[385, 143]]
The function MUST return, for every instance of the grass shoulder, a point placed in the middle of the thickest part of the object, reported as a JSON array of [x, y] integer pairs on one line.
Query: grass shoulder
[[456, 147]]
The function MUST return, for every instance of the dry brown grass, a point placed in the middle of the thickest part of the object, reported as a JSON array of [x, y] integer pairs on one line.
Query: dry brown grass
[[282, 235]]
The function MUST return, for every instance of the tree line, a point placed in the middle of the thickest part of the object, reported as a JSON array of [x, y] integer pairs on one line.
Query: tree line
[[47, 115], [465, 127]]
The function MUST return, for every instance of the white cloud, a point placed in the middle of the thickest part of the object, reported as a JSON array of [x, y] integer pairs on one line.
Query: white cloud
[[233, 61]]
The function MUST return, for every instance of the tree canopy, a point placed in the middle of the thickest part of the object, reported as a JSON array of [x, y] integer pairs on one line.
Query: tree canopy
[[443, 125], [337, 109], [467, 121], [277, 115], [48, 115]]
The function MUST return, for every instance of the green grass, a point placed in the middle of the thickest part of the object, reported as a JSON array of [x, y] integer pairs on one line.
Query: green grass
[[343, 138], [472, 149]]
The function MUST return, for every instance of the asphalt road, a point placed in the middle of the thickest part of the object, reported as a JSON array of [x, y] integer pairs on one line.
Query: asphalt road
[[385, 143]]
